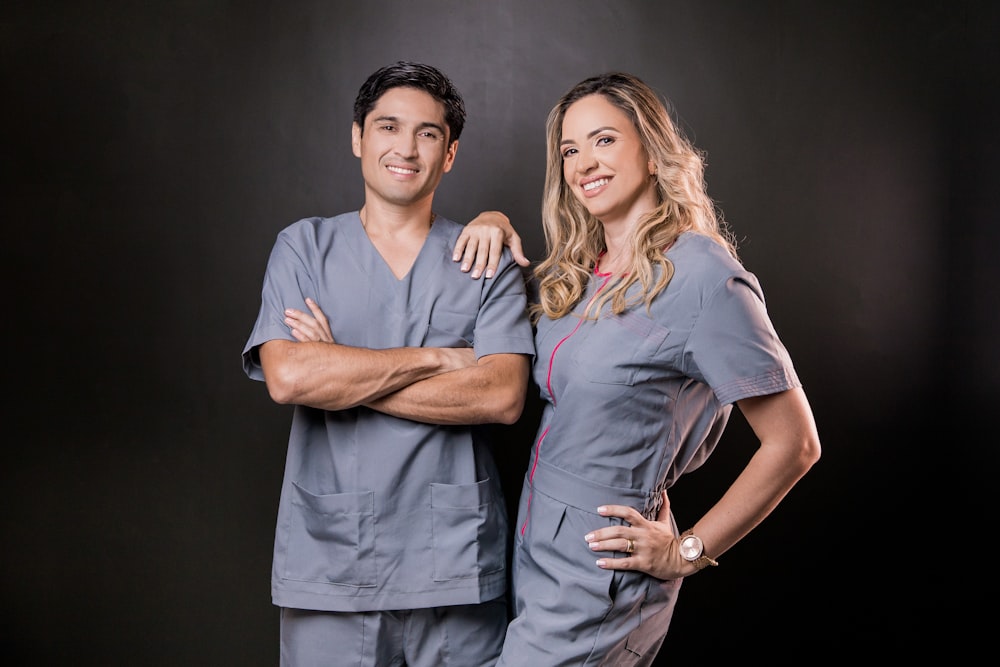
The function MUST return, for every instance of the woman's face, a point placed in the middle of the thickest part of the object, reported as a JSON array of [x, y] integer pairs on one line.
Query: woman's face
[[604, 162]]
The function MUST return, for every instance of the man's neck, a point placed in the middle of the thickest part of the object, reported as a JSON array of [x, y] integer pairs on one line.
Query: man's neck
[[379, 218], [398, 234]]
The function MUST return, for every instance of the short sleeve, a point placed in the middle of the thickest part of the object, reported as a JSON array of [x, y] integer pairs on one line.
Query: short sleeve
[[734, 346], [502, 325], [286, 284]]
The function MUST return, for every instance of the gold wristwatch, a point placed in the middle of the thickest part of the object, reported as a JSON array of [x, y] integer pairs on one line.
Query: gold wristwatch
[[693, 550]]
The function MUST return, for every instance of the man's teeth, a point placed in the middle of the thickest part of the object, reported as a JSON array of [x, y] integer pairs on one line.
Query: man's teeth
[[595, 184], [400, 170]]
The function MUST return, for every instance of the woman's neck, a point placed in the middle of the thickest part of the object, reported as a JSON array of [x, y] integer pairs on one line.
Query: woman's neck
[[618, 249]]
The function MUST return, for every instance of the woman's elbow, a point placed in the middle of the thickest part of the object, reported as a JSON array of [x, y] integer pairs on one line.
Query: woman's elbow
[[810, 452]]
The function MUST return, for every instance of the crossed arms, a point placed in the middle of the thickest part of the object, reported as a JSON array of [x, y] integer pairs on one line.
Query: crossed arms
[[435, 385]]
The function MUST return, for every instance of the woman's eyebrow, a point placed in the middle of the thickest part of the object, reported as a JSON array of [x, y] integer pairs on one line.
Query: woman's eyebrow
[[590, 134]]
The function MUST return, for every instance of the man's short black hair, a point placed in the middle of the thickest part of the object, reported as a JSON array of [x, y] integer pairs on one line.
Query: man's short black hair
[[412, 75]]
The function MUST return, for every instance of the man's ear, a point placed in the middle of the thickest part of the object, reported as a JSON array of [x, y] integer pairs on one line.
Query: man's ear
[[450, 157], [356, 139]]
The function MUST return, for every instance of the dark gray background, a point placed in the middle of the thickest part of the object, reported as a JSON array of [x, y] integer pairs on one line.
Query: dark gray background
[[152, 151]]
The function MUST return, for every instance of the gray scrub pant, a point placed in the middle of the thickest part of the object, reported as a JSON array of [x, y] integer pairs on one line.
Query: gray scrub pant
[[569, 612], [455, 636]]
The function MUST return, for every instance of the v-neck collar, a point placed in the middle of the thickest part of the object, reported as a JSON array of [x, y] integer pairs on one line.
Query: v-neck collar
[[374, 265]]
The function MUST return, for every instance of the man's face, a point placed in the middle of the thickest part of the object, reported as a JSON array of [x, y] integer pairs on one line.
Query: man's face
[[404, 148]]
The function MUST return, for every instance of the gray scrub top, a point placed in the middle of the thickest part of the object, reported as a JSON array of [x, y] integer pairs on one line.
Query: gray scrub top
[[378, 512], [634, 401]]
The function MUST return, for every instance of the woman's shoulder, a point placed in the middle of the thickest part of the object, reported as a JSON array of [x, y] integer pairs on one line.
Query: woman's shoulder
[[703, 268], [700, 254]]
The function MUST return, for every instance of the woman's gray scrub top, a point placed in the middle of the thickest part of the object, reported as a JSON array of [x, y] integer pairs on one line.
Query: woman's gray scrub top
[[631, 403], [378, 512]]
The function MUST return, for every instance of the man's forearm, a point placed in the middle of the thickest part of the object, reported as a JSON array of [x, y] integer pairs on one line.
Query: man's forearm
[[492, 392], [336, 377]]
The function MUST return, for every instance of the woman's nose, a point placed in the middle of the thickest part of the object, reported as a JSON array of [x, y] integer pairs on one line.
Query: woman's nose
[[585, 161]]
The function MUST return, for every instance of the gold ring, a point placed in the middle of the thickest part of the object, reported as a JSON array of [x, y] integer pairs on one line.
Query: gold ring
[[630, 546]]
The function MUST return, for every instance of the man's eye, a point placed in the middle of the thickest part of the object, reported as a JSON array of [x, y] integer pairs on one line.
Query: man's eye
[[387, 128]]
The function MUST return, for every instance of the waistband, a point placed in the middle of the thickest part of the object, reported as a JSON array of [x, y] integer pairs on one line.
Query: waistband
[[587, 495]]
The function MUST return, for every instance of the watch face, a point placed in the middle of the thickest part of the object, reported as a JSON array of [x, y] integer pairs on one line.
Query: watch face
[[691, 547]]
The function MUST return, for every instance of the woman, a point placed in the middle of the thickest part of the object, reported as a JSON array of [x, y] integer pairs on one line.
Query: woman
[[648, 331]]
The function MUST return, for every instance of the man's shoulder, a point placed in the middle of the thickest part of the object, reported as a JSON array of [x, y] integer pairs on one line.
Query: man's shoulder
[[317, 225], [447, 224], [322, 220]]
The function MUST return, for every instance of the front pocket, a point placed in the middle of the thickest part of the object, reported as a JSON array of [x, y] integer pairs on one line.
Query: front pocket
[[620, 349], [332, 538], [468, 530]]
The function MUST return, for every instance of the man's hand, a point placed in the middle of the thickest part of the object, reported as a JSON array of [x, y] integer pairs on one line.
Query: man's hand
[[309, 328], [482, 240], [315, 328]]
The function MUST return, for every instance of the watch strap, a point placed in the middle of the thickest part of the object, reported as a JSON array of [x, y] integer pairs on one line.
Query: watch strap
[[703, 560]]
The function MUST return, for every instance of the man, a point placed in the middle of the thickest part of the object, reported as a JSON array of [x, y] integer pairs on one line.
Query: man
[[390, 545]]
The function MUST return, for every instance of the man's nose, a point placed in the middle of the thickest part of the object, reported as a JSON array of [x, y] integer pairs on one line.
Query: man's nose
[[406, 145]]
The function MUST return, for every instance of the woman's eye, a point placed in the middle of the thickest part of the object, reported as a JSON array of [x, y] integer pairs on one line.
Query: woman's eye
[[605, 141], [569, 152]]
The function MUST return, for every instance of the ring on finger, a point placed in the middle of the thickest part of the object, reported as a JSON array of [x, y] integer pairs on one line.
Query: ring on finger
[[629, 545]]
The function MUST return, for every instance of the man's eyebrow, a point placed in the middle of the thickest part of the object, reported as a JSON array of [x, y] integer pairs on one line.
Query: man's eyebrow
[[421, 126], [591, 134]]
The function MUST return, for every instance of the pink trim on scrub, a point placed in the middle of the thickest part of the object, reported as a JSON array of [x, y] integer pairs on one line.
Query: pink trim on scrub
[[548, 385]]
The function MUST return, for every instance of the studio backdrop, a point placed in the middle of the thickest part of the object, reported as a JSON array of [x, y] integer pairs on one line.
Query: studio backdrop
[[153, 151]]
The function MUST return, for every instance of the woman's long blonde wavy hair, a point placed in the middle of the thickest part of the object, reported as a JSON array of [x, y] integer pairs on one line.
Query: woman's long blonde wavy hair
[[575, 239]]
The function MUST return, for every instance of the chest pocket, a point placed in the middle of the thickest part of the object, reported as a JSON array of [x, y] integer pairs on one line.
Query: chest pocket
[[448, 328], [620, 349]]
